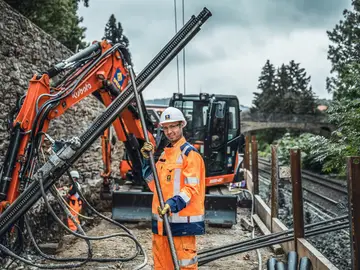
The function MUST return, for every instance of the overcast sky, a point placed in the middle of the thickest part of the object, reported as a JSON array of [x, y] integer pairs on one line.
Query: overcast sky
[[233, 45]]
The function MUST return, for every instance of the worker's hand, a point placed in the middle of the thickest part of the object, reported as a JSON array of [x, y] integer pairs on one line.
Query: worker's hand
[[147, 147], [163, 211]]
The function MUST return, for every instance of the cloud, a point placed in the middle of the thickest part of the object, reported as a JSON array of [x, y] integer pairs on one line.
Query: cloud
[[230, 50]]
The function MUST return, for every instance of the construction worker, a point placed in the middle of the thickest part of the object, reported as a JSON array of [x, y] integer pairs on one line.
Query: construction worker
[[181, 172], [75, 201]]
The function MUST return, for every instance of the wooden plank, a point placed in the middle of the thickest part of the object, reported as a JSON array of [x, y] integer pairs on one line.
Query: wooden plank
[[277, 249], [318, 261], [246, 223]]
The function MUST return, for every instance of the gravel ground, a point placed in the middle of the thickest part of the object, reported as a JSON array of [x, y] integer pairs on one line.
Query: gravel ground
[[120, 246]]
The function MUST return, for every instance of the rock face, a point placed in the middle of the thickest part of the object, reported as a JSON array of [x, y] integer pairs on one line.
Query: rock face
[[26, 50]]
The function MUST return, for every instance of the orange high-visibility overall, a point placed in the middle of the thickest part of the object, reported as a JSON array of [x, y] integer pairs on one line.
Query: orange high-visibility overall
[[181, 172], [76, 204]]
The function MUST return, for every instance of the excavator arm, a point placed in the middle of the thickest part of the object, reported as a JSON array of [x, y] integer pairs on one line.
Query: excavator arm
[[102, 73], [95, 69]]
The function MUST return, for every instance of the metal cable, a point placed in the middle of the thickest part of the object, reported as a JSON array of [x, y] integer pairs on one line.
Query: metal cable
[[177, 57], [183, 21]]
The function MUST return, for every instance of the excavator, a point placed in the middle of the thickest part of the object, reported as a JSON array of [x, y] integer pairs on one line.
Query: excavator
[[213, 127]]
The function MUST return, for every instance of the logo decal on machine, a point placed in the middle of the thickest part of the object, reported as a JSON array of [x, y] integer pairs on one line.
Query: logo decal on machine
[[118, 79], [81, 90], [216, 180]]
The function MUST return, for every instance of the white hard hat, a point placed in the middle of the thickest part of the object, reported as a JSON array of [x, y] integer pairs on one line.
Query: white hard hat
[[75, 174], [172, 114]]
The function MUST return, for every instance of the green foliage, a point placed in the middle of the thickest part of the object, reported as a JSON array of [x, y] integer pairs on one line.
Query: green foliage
[[344, 111], [114, 32], [344, 54], [56, 17], [317, 152]]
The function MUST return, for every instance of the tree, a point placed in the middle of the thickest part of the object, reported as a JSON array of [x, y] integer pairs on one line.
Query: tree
[[56, 17], [344, 54], [344, 84], [115, 33], [266, 99], [284, 86], [301, 90]]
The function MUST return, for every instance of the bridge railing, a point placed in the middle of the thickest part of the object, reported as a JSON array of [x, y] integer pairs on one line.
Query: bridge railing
[[278, 117]]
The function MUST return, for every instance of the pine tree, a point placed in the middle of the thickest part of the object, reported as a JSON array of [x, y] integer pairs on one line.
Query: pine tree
[[114, 33], [266, 99], [300, 90], [283, 84]]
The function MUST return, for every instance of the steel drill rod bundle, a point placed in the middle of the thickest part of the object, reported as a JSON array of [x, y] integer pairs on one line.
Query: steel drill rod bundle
[[267, 237], [256, 245], [264, 238]]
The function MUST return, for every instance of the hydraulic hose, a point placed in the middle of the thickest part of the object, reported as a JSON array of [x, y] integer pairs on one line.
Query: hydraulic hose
[[88, 237], [46, 256], [57, 266]]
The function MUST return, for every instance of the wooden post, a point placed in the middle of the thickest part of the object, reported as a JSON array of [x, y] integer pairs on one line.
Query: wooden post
[[254, 165], [247, 153], [353, 177], [274, 184], [297, 198]]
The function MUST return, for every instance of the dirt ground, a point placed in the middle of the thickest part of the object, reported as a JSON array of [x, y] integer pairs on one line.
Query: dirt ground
[[119, 246]]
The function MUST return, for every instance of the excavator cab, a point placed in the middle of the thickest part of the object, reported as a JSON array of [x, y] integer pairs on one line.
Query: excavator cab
[[213, 127]]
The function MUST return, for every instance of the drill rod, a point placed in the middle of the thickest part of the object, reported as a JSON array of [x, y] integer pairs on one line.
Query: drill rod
[[153, 168]]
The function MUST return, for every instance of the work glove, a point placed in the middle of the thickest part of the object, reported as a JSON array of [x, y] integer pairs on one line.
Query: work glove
[[147, 147], [163, 211]]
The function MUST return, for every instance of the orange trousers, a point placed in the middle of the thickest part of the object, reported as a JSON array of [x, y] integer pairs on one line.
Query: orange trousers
[[75, 204], [185, 250]]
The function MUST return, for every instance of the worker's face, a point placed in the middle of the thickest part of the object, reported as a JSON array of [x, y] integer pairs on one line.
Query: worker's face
[[173, 131]]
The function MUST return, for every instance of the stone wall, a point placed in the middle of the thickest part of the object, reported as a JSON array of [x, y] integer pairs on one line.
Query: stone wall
[[24, 51]]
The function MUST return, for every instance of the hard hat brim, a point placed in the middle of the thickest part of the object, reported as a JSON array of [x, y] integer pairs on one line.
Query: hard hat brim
[[173, 121]]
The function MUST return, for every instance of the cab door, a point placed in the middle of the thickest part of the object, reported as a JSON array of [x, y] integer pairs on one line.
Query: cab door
[[215, 147], [223, 137]]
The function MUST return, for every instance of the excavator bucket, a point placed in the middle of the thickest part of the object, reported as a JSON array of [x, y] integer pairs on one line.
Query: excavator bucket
[[131, 206], [221, 210], [135, 206]]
